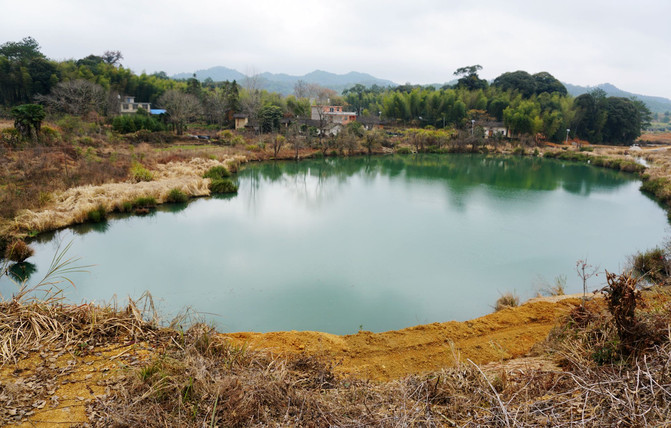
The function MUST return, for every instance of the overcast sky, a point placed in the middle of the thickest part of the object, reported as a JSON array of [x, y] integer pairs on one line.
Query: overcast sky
[[583, 42]]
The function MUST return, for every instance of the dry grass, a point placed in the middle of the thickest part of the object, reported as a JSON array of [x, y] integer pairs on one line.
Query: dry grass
[[507, 300], [73, 205]]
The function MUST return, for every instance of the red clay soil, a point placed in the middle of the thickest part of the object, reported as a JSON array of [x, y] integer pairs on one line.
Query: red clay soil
[[509, 333]]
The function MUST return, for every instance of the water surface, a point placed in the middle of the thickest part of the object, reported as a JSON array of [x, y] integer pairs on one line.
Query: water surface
[[375, 243]]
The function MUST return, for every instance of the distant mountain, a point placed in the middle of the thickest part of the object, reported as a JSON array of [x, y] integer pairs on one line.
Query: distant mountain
[[284, 83], [655, 104], [218, 74]]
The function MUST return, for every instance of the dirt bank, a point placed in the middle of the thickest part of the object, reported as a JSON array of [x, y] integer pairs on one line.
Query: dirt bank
[[506, 334], [54, 385]]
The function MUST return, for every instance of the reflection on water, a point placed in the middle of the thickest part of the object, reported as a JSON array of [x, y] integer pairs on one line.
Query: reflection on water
[[382, 242]]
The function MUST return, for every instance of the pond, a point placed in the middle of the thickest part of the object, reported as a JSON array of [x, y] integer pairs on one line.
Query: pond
[[380, 243]]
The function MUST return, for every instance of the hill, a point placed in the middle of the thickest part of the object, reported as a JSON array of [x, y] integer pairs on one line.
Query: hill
[[655, 104], [284, 83]]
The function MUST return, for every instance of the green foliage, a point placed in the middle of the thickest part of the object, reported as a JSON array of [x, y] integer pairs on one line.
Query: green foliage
[[269, 117], [177, 196], [223, 185], [660, 188], [403, 150], [144, 202], [217, 172], [140, 173], [97, 214], [129, 123], [28, 119]]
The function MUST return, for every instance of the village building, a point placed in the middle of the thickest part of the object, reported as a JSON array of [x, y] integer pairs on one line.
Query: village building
[[333, 114], [129, 106]]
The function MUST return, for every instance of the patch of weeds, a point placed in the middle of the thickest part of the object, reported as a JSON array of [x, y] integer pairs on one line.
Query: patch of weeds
[[217, 172], [177, 196], [144, 202], [97, 214], [18, 251], [652, 265], [223, 185], [140, 173], [403, 151]]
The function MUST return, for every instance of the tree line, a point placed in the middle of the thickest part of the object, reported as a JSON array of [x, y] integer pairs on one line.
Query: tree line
[[528, 105]]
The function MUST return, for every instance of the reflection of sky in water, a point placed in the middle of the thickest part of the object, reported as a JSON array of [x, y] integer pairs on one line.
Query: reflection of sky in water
[[384, 243]]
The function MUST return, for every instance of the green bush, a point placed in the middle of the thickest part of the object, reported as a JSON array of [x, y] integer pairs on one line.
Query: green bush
[[177, 196], [658, 187], [140, 173], [144, 202], [403, 151], [97, 214], [127, 124], [519, 151], [217, 172], [223, 185]]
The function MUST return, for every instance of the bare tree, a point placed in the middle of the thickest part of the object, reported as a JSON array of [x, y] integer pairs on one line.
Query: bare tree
[[251, 99], [181, 108], [585, 272], [302, 89], [112, 57], [77, 97]]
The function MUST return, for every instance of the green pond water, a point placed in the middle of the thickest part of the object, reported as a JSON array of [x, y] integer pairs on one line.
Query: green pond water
[[378, 243]]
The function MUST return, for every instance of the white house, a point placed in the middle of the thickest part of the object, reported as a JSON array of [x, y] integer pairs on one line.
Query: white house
[[129, 106]]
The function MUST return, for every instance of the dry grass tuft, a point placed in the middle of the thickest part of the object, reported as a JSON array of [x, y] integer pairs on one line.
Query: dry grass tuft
[[507, 300]]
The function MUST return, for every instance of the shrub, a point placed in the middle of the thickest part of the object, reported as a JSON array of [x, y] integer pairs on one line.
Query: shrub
[[18, 251], [144, 202], [217, 172], [254, 148], [10, 137], [519, 151], [652, 265], [177, 196], [127, 124], [507, 300], [97, 214], [50, 136], [403, 151], [140, 173], [658, 187], [223, 185]]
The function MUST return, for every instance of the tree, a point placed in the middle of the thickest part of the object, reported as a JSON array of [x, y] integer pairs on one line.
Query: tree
[[26, 49], [623, 121], [28, 119], [469, 78], [181, 108], [276, 143], [545, 82], [112, 57], [372, 139], [519, 81], [76, 97], [269, 118], [590, 116]]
